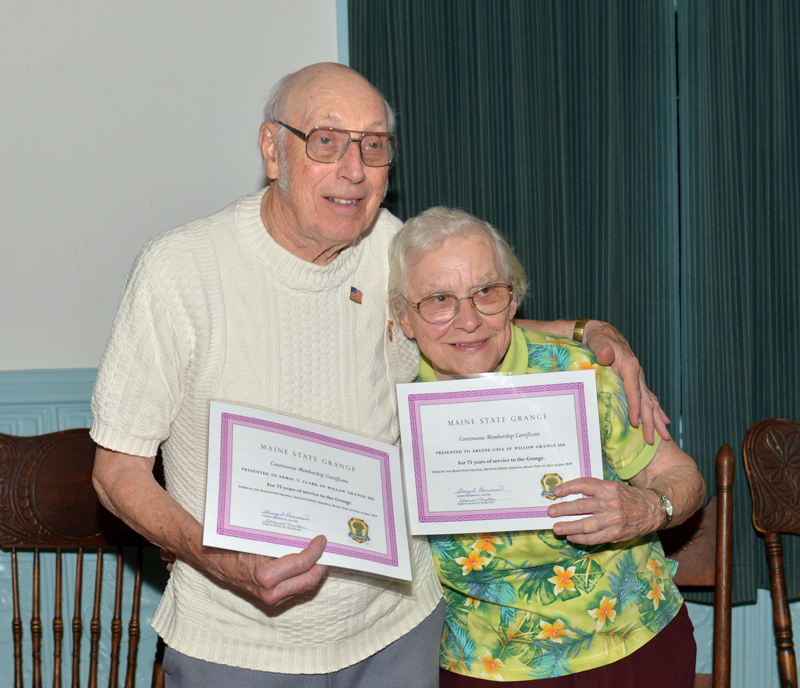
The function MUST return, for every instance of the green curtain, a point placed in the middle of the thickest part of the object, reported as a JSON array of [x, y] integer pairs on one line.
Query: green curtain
[[740, 239], [558, 121]]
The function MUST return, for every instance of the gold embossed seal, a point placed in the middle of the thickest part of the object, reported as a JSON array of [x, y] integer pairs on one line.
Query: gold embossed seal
[[549, 481]]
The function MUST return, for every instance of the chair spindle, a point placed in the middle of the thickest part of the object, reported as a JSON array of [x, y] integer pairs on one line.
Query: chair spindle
[[77, 621], [95, 625], [58, 625], [36, 624], [16, 623]]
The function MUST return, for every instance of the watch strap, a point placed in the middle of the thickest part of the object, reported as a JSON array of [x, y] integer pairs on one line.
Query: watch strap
[[665, 502]]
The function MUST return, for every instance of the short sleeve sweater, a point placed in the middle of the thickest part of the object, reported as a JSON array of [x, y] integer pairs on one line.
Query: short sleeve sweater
[[217, 310]]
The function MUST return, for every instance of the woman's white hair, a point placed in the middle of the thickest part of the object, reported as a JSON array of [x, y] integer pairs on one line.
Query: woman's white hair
[[427, 231]]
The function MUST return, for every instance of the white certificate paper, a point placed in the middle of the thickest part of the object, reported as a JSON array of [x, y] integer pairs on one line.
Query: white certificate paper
[[276, 482], [483, 454]]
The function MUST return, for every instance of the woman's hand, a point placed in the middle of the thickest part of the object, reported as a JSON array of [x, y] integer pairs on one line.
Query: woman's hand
[[618, 512], [611, 348], [615, 512]]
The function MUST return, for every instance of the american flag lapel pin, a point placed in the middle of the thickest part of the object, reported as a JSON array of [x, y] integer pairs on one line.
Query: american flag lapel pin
[[356, 295]]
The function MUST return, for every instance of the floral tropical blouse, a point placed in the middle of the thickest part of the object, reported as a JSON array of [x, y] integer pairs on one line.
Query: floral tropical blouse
[[528, 605]]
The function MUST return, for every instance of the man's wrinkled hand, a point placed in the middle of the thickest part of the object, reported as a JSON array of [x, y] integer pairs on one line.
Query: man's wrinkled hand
[[273, 581], [611, 348]]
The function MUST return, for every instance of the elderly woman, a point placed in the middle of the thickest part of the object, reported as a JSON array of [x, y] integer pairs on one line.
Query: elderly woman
[[590, 602]]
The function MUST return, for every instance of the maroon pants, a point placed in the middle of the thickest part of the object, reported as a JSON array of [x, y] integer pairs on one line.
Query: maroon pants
[[667, 661]]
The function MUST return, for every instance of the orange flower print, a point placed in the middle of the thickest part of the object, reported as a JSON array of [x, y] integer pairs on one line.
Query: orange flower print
[[656, 593], [486, 542], [605, 612], [563, 579], [564, 341], [472, 602], [586, 364], [472, 562], [554, 631], [492, 666], [655, 568]]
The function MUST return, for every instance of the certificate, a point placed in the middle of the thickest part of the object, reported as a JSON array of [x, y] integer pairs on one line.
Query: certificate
[[276, 482], [483, 454]]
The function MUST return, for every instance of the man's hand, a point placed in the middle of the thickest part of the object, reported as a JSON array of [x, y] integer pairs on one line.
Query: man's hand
[[273, 581], [127, 488], [611, 348]]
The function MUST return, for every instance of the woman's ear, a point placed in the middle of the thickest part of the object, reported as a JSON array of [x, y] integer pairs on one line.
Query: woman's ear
[[512, 308], [405, 325]]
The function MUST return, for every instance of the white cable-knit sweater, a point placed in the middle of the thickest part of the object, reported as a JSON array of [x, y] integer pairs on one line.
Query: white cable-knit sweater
[[217, 310]]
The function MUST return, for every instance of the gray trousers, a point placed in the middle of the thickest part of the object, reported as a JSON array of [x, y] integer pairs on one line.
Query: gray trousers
[[412, 660]]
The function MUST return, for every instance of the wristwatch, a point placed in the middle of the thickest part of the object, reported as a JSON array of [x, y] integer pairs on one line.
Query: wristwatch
[[666, 506]]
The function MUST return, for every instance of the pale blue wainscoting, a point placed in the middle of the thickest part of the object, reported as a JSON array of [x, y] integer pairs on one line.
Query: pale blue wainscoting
[[32, 403], [39, 401]]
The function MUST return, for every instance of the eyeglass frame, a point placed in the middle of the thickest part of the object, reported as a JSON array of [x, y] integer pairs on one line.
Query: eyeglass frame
[[305, 137], [471, 299]]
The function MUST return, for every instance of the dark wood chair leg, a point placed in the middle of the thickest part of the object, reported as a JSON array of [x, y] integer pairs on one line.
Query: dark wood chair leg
[[724, 556], [787, 665]]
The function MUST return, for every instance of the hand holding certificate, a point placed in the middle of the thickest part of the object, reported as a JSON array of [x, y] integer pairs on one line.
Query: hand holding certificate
[[484, 454], [275, 483]]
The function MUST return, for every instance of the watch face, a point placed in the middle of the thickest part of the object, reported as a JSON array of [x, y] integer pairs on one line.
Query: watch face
[[668, 507]]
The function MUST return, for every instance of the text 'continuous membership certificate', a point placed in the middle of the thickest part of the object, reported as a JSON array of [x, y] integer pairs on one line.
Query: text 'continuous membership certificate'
[[276, 482], [484, 454]]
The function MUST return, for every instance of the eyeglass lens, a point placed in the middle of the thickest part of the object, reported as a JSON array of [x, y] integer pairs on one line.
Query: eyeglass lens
[[441, 308], [328, 145]]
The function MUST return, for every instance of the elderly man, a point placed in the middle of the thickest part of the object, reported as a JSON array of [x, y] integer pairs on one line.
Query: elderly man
[[252, 305]]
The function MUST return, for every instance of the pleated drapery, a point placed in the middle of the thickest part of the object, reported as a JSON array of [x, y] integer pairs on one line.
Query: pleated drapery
[[739, 81], [556, 122], [559, 122]]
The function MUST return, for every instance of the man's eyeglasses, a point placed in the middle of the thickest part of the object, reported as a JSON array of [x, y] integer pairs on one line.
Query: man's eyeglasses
[[326, 144], [442, 308]]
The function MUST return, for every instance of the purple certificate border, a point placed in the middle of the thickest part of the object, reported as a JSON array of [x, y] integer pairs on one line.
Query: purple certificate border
[[224, 527], [416, 401]]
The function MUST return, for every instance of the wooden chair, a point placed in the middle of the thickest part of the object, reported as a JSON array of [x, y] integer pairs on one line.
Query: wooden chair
[[772, 464], [47, 502], [702, 547]]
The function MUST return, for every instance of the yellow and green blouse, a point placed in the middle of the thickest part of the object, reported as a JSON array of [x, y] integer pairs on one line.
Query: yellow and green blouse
[[529, 605]]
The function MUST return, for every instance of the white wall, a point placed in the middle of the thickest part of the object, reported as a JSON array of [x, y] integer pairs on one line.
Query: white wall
[[119, 120]]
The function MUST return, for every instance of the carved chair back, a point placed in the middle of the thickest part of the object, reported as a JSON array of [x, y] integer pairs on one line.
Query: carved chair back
[[702, 547], [772, 463], [48, 503]]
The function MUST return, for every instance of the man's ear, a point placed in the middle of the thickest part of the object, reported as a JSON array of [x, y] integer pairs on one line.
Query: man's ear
[[267, 140]]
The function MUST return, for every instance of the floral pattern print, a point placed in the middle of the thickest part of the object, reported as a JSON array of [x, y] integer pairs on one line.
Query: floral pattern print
[[528, 605]]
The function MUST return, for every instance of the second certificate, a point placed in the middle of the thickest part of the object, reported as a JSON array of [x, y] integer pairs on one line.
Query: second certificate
[[483, 455]]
